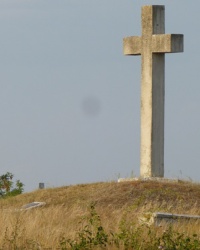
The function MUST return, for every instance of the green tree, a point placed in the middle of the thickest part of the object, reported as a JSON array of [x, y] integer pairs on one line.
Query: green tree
[[6, 185]]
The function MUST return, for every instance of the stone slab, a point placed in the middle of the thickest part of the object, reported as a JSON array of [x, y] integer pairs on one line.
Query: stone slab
[[158, 218], [32, 205]]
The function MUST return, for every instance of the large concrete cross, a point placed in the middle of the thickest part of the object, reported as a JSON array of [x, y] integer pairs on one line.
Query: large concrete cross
[[152, 46]]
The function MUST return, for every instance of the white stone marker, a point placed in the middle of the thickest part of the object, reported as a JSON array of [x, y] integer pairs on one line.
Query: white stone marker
[[158, 218], [33, 205], [152, 46]]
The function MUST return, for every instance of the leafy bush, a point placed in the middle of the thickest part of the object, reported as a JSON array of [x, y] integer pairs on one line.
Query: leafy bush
[[6, 185], [90, 235]]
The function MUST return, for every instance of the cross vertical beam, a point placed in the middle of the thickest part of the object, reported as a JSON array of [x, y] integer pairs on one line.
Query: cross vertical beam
[[152, 46]]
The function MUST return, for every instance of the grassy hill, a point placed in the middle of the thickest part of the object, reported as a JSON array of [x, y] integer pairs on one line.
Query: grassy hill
[[101, 216]]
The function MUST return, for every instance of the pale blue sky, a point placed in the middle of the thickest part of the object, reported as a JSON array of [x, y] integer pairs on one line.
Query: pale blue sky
[[70, 100]]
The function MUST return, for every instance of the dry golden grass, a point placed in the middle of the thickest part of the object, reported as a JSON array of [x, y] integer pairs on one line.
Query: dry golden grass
[[66, 206]]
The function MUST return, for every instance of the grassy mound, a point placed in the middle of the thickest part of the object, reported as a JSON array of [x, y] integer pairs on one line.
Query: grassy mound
[[101, 216]]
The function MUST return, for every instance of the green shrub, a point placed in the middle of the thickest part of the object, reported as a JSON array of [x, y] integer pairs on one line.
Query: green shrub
[[6, 186], [90, 235]]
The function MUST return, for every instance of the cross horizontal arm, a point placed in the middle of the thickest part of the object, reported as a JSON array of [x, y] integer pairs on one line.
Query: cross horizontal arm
[[162, 43], [167, 43], [132, 45]]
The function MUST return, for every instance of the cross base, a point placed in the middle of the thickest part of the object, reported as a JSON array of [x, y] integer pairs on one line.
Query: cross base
[[153, 179]]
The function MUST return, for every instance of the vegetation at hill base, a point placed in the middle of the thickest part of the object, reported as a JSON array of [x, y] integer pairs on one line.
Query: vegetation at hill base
[[102, 216]]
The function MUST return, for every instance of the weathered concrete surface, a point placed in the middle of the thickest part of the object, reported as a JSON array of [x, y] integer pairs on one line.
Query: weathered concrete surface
[[151, 46], [157, 179], [159, 218]]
